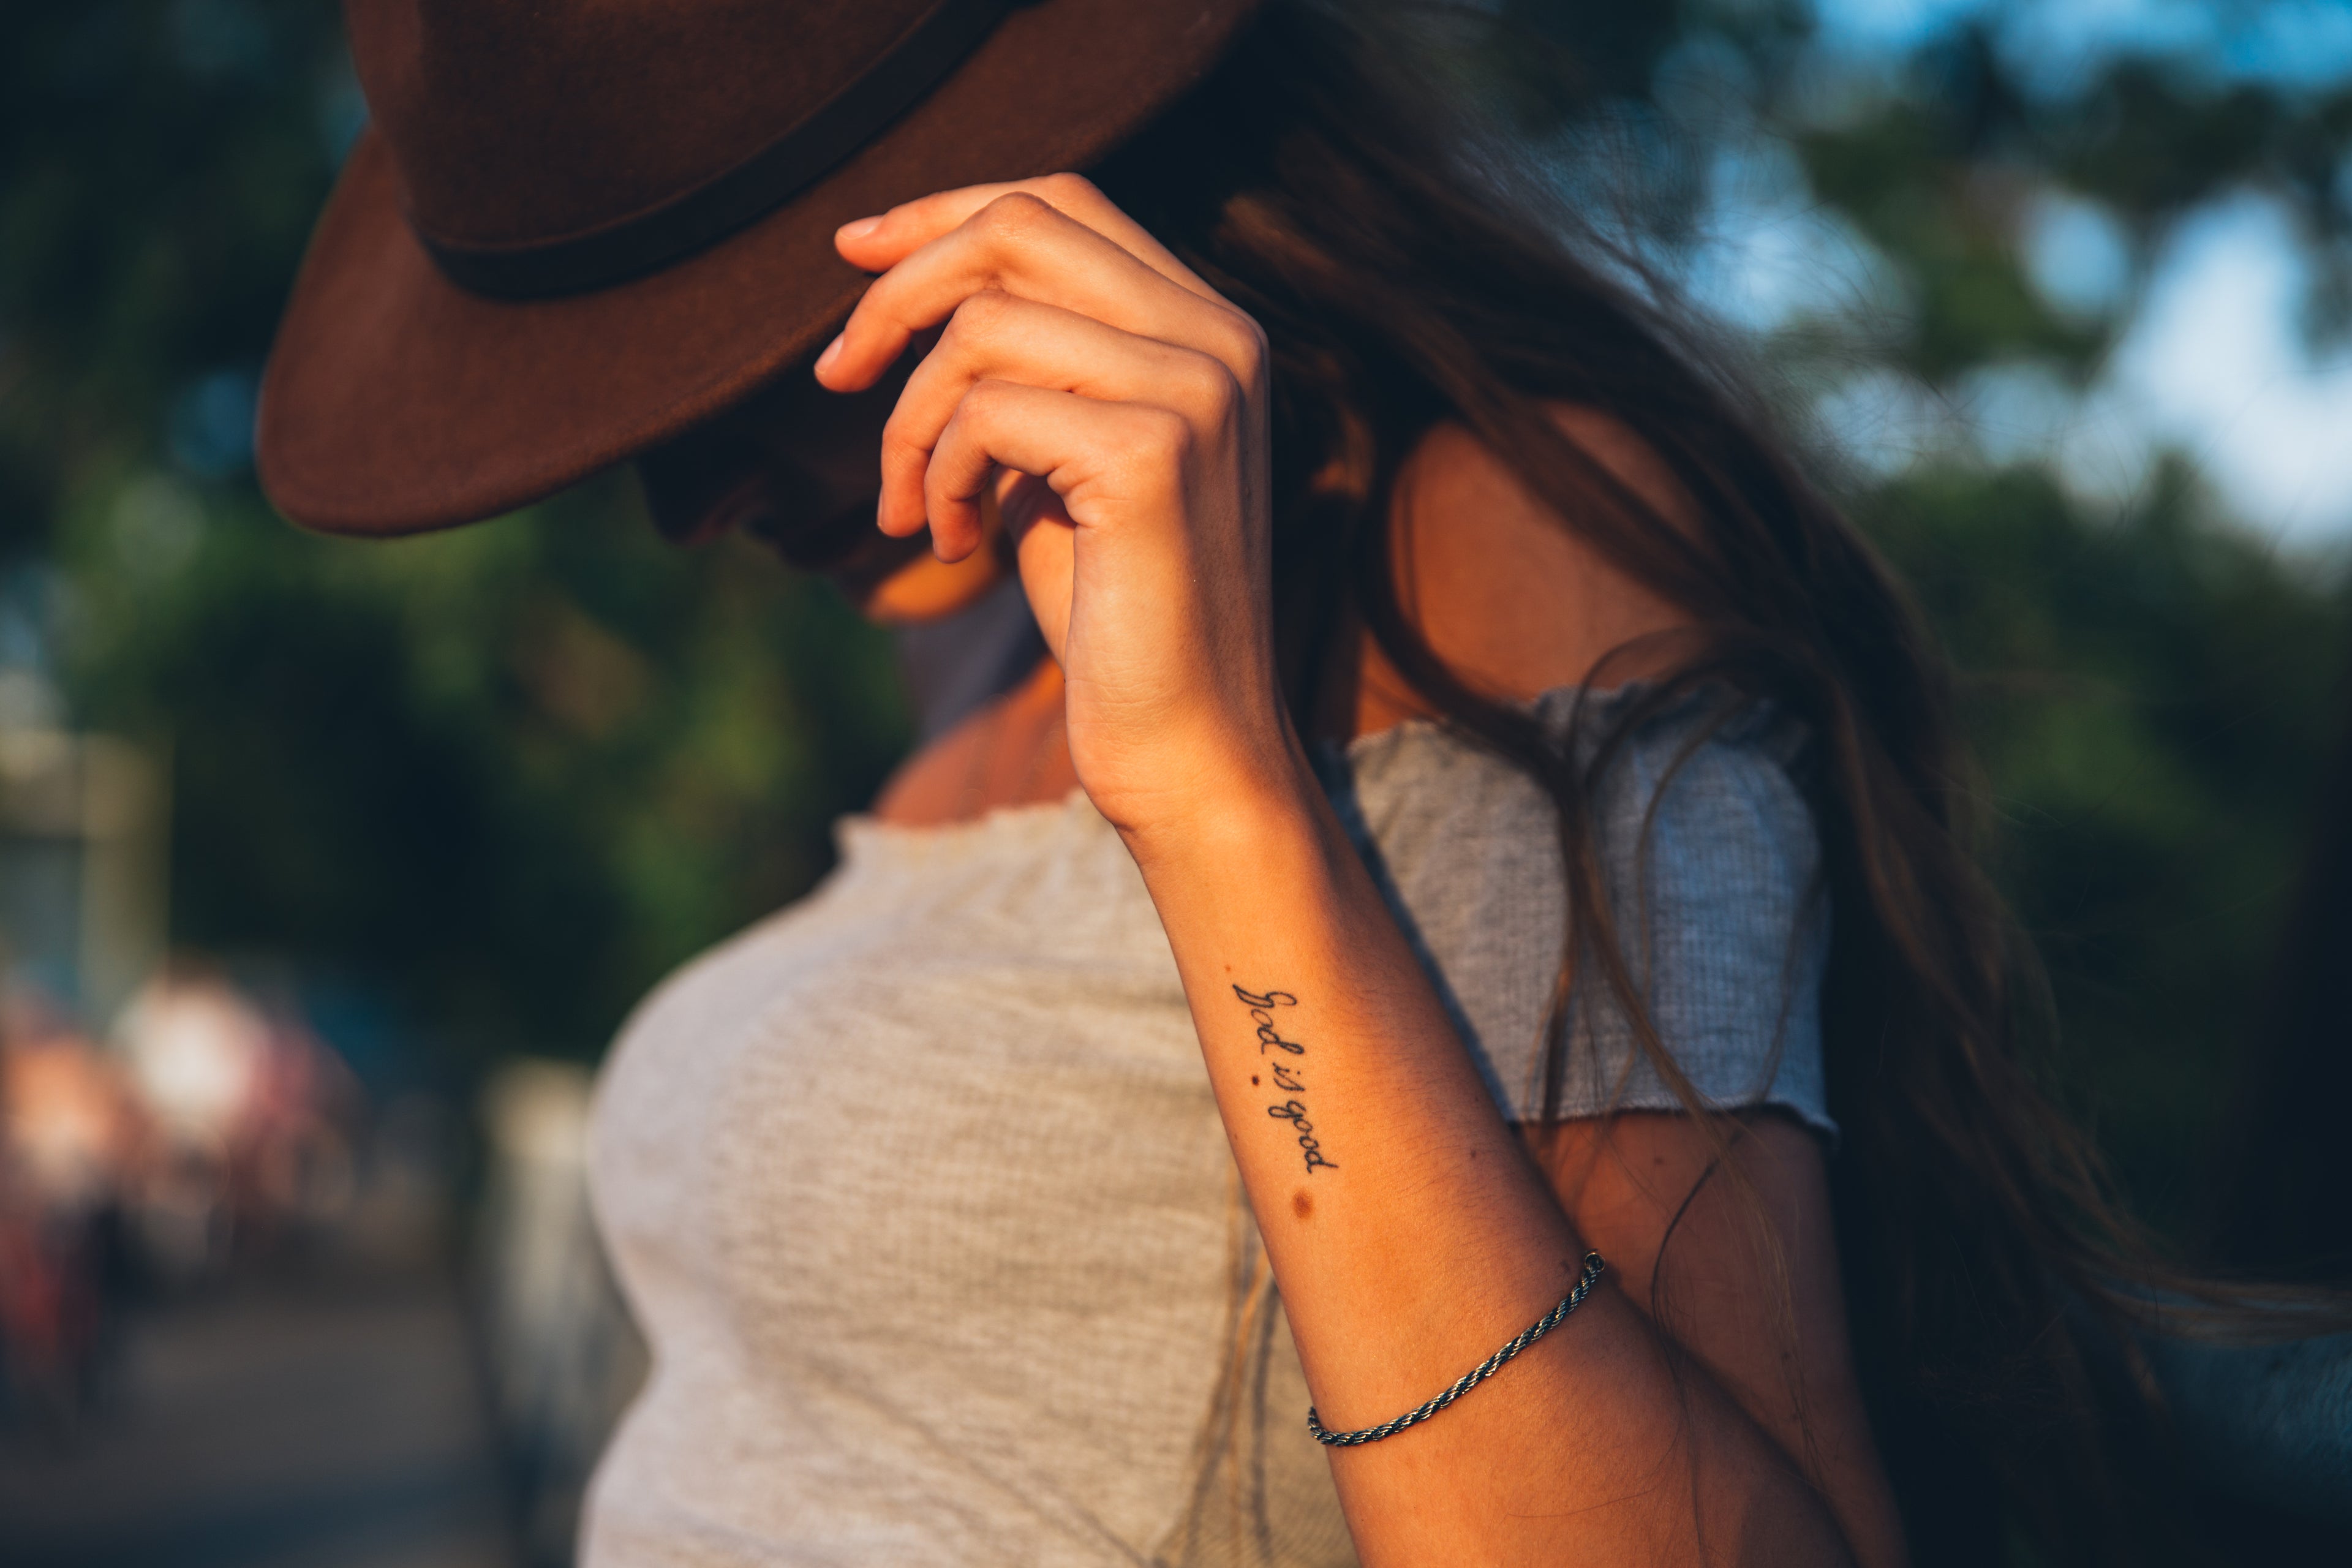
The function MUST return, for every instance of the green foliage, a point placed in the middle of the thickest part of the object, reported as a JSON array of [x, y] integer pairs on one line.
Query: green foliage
[[502, 778], [2149, 697], [509, 774], [160, 163], [1908, 191]]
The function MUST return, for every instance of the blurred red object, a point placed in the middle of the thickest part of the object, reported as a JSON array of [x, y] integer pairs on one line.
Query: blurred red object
[[73, 1141]]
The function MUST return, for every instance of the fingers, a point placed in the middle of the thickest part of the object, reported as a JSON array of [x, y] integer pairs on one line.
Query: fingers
[[1093, 455], [1019, 244], [999, 337], [1076, 350], [878, 244]]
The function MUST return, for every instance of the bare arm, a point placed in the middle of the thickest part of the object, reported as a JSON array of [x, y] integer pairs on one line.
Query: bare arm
[[1114, 407], [1721, 1236], [1413, 1237], [1749, 1285]]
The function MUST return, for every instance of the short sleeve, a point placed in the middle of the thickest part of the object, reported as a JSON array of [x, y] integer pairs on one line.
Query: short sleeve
[[1712, 867]]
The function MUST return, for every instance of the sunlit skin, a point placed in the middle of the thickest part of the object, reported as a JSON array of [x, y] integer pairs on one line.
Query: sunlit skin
[[1101, 406], [929, 589]]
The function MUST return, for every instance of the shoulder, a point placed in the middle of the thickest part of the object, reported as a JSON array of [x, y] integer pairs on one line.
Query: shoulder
[[1505, 588]]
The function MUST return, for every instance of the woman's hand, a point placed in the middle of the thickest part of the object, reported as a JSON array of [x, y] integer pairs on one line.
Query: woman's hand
[[1115, 405]]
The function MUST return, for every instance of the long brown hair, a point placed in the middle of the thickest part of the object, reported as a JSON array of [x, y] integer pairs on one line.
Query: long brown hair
[[1406, 277]]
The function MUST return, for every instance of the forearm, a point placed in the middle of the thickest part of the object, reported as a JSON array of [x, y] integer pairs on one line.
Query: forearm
[[1117, 410], [1410, 1237]]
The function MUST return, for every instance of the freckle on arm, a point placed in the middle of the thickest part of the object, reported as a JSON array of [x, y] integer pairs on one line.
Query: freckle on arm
[[1302, 1203]]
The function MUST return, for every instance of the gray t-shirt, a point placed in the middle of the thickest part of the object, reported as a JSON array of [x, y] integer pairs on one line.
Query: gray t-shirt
[[920, 1193]]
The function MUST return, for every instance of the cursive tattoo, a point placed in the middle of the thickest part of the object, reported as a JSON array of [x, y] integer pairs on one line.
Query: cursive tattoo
[[1288, 1076]]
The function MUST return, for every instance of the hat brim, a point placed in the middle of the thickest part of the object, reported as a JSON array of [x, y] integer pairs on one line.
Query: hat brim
[[395, 402]]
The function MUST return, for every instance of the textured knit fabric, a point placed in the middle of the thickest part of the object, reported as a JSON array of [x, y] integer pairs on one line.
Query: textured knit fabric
[[920, 1197]]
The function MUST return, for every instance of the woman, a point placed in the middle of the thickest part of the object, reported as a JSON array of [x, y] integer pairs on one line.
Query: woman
[[1464, 733]]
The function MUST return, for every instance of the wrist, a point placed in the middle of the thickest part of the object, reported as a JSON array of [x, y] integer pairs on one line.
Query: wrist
[[1241, 815]]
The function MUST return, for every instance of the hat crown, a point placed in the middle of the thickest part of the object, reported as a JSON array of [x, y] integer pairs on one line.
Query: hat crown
[[521, 122]]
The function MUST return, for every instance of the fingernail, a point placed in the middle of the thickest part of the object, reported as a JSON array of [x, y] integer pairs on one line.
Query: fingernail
[[832, 353], [858, 229]]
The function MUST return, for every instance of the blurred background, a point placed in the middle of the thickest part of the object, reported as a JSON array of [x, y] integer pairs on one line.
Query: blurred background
[[327, 869]]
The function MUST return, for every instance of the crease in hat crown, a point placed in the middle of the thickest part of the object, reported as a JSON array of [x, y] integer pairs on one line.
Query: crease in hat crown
[[746, 113]]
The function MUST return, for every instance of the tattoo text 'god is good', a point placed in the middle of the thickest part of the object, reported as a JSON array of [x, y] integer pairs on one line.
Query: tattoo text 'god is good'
[[1288, 1076]]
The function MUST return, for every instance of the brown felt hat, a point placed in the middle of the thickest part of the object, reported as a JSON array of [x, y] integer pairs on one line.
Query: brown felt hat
[[577, 227]]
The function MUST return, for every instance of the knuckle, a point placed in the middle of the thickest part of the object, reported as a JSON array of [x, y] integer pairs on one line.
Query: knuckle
[[981, 315], [1065, 189], [1011, 215], [1204, 386], [984, 402], [1245, 347]]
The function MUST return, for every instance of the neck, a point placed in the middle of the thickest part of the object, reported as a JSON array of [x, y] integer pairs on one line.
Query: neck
[[1010, 753]]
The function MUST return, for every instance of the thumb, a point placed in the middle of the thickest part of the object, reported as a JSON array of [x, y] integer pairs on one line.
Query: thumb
[[1044, 543]]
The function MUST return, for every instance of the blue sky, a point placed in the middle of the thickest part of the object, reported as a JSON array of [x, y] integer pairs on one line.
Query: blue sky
[[2210, 359], [2307, 42]]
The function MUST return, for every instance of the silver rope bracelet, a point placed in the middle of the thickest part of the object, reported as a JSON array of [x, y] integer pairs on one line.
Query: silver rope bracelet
[[1471, 1379]]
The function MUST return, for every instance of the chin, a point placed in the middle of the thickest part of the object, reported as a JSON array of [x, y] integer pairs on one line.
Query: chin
[[921, 590]]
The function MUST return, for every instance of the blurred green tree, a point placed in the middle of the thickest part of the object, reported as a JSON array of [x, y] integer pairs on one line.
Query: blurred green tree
[[509, 774], [504, 777]]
